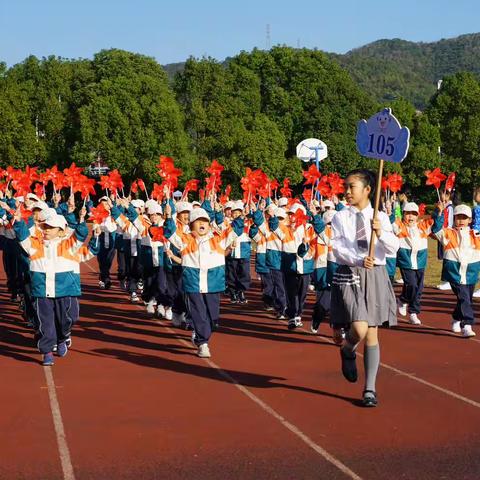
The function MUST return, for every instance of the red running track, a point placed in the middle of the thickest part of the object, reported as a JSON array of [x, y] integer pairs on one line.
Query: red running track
[[134, 401]]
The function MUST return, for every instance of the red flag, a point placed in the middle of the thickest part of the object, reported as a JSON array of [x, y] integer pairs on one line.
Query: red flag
[[134, 187]]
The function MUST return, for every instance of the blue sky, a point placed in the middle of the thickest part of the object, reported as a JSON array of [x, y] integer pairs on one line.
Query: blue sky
[[171, 31]]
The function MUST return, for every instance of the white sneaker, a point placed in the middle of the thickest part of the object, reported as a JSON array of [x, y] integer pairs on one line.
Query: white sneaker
[[151, 308], [456, 328], [101, 284], [311, 288], [402, 309], [467, 331], [298, 322], [414, 320], [204, 351], [399, 281], [313, 330], [168, 313], [476, 293], [134, 298], [444, 286], [160, 311]]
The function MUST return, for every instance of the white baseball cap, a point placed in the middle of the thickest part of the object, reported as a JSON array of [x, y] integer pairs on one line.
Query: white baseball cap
[[138, 203], [32, 196], [150, 201], [154, 208], [103, 199], [196, 204], [198, 213], [238, 205], [229, 204], [411, 207], [329, 204], [47, 213], [56, 221], [282, 201], [295, 207], [280, 213], [39, 206], [463, 210], [183, 207]]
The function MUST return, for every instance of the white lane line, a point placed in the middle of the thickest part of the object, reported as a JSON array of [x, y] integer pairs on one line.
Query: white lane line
[[63, 449]]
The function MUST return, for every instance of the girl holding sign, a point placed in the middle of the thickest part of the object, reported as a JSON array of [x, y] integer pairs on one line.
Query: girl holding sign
[[362, 297]]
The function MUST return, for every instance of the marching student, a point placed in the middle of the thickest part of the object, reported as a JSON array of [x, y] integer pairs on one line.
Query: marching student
[[297, 261], [362, 297], [203, 269], [461, 263], [476, 222], [446, 198], [106, 253], [238, 261], [412, 259], [274, 255], [55, 278], [322, 273]]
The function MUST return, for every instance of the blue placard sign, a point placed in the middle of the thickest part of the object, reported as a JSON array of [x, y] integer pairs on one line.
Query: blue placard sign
[[382, 137]]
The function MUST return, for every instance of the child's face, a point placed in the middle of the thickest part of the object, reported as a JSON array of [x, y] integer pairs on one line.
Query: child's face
[[155, 218], [477, 196], [355, 191], [36, 215], [201, 227], [50, 233], [461, 221], [445, 196], [236, 214], [410, 218], [228, 212], [183, 217]]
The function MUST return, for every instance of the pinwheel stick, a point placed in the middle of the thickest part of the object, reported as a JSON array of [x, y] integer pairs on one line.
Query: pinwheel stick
[[438, 193], [375, 206]]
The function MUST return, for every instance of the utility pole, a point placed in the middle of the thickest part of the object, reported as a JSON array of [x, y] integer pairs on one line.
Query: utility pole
[[268, 42]]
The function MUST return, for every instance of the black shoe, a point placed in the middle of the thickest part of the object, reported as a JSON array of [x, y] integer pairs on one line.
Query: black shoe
[[369, 399], [233, 297], [241, 297], [108, 284], [292, 325], [349, 365]]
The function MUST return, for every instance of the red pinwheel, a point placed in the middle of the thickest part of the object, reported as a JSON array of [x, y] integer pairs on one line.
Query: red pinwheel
[[3, 187], [286, 191], [55, 176], [116, 181], [215, 168], [72, 175], [308, 195], [385, 184], [395, 181], [157, 234], [336, 184], [134, 187], [86, 187], [274, 186], [323, 187], [228, 190], [312, 175], [201, 195], [450, 183], [214, 181], [421, 209], [39, 190], [99, 214], [170, 174], [190, 186], [300, 218], [435, 177], [158, 192], [26, 214], [141, 185]]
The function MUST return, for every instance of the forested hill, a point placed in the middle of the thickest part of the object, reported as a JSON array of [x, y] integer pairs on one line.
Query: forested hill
[[393, 68], [389, 69]]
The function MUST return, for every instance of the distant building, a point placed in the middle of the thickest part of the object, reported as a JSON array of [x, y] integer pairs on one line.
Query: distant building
[[98, 168]]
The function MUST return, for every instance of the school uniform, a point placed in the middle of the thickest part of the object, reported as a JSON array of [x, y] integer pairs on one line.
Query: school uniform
[[412, 260], [273, 261], [55, 281], [106, 252], [203, 273], [461, 266], [358, 293], [261, 266]]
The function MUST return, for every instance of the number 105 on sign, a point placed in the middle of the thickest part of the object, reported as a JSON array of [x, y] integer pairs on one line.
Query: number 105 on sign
[[381, 145]]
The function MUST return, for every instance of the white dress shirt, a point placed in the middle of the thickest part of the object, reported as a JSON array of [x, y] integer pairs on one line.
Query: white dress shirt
[[344, 237]]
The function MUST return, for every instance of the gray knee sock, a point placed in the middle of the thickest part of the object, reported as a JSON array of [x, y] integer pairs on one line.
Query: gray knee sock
[[371, 361]]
